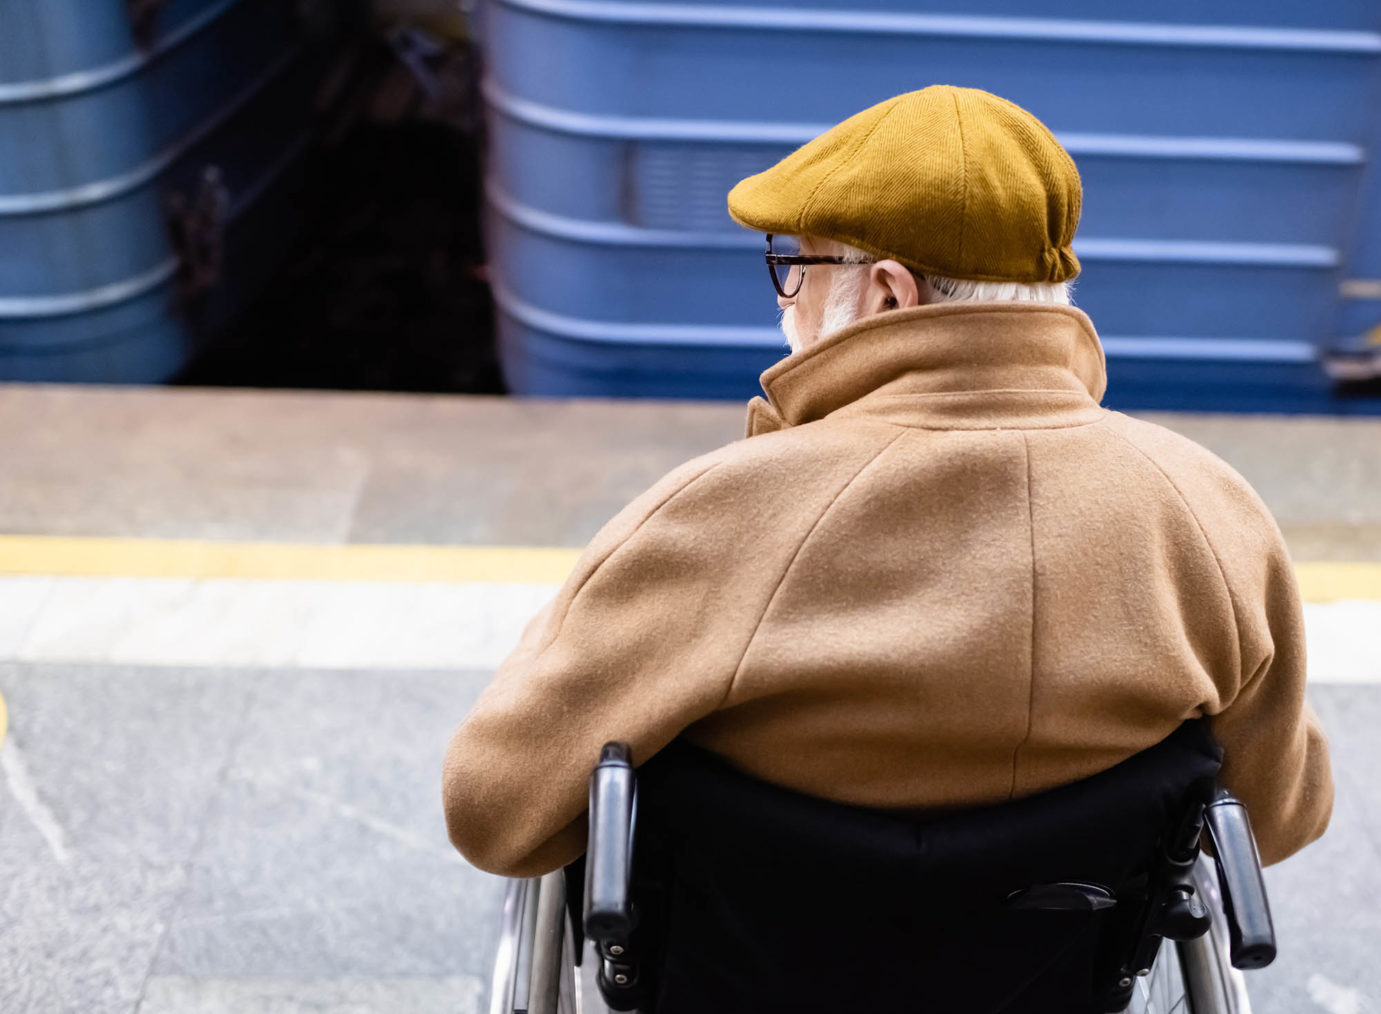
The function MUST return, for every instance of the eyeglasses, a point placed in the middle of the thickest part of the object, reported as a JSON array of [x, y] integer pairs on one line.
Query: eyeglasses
[[787, 265]]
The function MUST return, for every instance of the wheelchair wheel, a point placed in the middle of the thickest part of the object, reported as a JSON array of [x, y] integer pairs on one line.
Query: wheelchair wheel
[[1195, 976], [1165, 990]]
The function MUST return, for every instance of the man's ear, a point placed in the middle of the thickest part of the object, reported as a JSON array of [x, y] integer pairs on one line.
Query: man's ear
[[891, 286]]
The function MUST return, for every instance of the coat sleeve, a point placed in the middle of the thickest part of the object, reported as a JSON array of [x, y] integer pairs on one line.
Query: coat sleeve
[[643, 640], [1275, 756]]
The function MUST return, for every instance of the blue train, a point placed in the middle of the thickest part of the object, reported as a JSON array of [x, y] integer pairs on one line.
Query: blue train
[[146, 150], [1232, 220]]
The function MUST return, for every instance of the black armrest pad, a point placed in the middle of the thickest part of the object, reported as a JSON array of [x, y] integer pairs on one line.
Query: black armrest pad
[[609, 854], [1248, 911]]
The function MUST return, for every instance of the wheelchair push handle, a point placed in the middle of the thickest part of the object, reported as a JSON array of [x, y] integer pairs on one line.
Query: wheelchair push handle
[[1250, 930], [609, 857]]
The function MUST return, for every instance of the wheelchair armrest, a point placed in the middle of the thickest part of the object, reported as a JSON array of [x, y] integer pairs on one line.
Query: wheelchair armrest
[[609, 853], [1248, 912]]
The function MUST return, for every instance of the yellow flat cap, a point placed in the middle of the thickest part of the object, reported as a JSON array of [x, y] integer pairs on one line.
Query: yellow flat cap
[[948, 181]]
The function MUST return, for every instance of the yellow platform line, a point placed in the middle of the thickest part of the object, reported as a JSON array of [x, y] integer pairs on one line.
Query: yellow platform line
[[98, 557], [95, 557]]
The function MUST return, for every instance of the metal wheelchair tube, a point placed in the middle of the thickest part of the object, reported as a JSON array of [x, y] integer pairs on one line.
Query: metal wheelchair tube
[[1250, 930], [1214, 985], [609, 858], [547, 944], [527, 936], [503, 987]]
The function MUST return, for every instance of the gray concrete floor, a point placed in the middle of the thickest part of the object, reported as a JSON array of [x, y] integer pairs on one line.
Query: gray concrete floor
[[294, 467], [260, 840], [235, 840]]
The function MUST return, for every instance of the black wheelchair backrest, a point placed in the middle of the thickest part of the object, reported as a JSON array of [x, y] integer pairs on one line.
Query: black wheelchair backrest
[[757, 879]]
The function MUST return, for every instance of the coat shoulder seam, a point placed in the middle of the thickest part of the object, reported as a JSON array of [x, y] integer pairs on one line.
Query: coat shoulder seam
[[791, 562], [641, 525], [1203, 533]]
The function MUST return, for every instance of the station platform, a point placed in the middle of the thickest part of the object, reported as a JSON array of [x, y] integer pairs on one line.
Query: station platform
[[237, 628]]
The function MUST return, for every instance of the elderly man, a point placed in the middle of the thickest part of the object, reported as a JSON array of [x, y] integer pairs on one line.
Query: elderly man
[[937, 573]]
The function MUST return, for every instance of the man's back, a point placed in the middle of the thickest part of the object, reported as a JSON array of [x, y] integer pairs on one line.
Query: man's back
[[937, 574]]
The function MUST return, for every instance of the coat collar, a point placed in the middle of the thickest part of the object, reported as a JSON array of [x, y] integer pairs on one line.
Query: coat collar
[[944, 366]]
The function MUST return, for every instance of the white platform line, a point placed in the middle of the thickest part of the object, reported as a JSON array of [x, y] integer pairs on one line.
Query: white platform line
[[278, 624], [233, 622]]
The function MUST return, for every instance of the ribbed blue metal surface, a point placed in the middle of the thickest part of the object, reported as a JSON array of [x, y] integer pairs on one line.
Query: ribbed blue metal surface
[[95, 131], [1223, 150], [1359, 324], [1340, 15]]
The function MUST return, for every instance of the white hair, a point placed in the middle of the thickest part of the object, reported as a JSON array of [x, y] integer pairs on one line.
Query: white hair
[[842, 301], [963, 290]]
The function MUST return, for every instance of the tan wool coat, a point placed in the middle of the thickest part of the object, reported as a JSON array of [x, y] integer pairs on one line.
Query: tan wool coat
[[936, 574]]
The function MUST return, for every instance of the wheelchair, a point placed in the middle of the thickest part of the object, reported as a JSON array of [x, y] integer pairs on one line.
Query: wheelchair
[[704, 890]]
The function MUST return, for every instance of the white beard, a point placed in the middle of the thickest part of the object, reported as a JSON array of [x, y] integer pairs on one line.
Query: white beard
[[787, 322], [841, 305], [841, 308]]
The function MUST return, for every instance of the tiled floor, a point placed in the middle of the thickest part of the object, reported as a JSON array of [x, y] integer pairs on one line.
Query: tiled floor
[[292, 467], [248, 465]]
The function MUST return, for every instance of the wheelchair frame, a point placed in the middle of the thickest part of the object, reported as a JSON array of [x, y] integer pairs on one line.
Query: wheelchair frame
[[1213, 913]]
